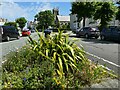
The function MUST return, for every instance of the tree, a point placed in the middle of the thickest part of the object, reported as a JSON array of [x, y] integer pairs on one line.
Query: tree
[[83, 10], [21, 22], [11, 24], [45, 19], [105, 12], [118, 13]]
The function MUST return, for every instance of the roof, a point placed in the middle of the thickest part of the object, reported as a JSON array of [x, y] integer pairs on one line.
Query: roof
[[63, 18]]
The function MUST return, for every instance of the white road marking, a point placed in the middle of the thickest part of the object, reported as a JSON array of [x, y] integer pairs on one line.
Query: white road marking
[[103, 66], [102, 59]]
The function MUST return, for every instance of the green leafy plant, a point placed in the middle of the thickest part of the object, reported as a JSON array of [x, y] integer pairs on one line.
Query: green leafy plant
[[61, 52]]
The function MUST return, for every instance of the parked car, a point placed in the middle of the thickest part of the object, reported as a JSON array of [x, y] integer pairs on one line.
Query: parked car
[[47, 32], [88, 32], [110, 33], [39, 30], [26, 32], [32, 31], [75, 30], [8, 32]]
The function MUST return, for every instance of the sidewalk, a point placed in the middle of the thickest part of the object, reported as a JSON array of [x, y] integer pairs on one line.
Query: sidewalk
[[108, 83]]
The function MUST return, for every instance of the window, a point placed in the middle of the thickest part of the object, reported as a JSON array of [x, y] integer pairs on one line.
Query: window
[[108, 30], [85, 29], [118, 29], [81, 29]]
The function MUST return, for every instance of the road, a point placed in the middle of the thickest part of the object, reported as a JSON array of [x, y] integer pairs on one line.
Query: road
[[104, 52], [12, 45]]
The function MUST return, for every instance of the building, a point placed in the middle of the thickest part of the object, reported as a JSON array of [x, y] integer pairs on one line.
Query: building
[[3, 21], [55, 12], [31, 25], [63, 19], [74, 24], [60, 19], [114, 22]]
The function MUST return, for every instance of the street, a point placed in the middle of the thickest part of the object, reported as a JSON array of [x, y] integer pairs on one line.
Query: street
[[12, 45], [104, 52]]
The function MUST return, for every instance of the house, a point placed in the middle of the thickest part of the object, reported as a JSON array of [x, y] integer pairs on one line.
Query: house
[[60, 19], [74, 24], [114, 22], [63, 19], [3, 21], [31, 24]]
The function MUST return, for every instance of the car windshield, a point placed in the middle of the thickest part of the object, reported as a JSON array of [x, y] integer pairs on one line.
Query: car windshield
[[95, 29], [78, 29], [118, 29], [26, 30]]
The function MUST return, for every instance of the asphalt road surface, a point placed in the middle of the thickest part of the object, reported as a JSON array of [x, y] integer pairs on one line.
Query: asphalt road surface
[[12, 45], [104, 52]]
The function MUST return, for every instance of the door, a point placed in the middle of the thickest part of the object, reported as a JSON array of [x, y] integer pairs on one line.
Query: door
[[108, 33], [115, 34], [13, 32], [81, 32]]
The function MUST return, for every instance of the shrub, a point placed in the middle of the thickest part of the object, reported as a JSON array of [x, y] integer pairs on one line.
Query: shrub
[[62, 53]]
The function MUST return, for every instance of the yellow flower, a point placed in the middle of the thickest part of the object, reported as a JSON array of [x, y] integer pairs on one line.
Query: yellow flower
[[8, 83], [5, 86]]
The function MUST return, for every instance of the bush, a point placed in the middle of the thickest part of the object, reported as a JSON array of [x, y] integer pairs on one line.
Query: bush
[[52, 62]]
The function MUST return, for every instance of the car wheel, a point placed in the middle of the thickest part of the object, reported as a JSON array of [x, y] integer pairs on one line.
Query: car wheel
[[86, 36], [18, 37], [7, 38], [102, 37]]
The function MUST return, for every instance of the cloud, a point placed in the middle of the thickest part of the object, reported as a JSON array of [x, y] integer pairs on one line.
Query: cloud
[[44, 6], [42, 0], [12, 10]]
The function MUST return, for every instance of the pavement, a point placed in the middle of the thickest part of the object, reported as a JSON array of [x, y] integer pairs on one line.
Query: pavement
[[108, 83]]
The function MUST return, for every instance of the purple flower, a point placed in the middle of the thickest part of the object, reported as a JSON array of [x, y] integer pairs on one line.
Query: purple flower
[[24, 79]]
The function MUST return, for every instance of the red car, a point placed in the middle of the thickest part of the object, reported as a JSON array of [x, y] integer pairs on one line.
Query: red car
[[26, 32]]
